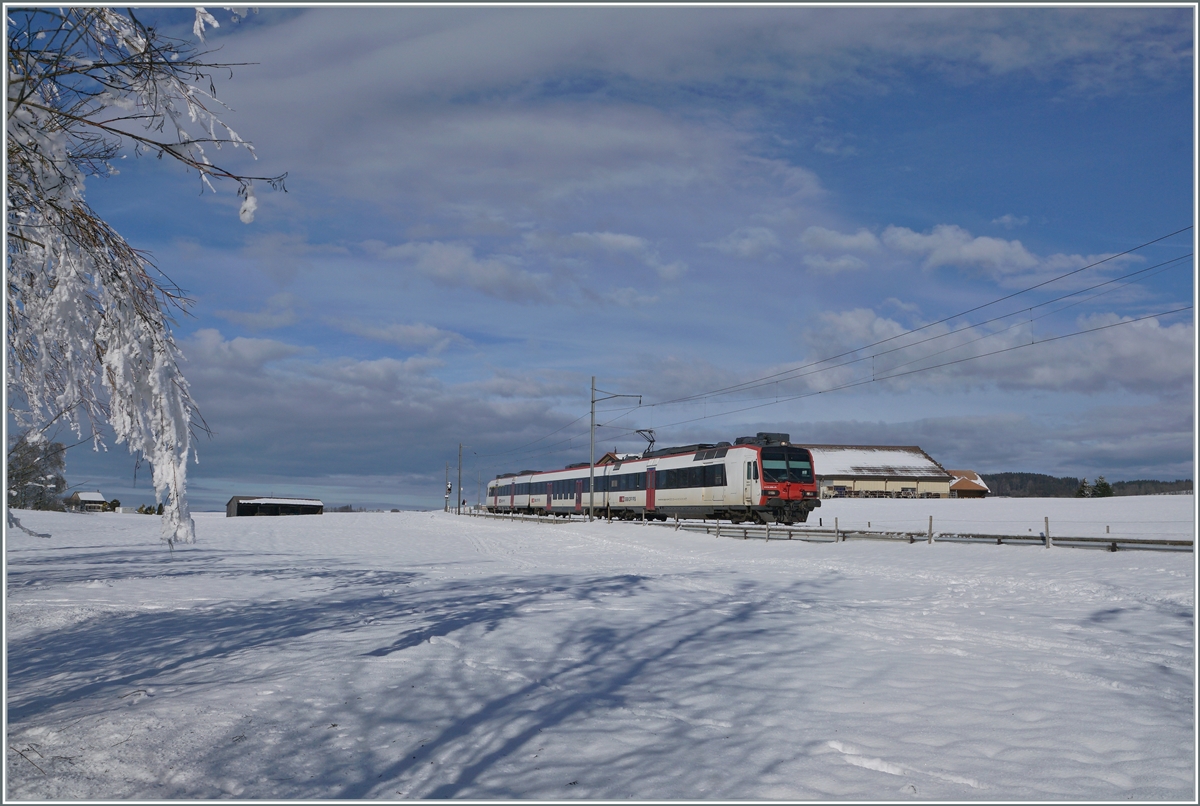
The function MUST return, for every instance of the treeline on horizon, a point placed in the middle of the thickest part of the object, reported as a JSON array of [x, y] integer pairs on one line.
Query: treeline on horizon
[[1040, 485]]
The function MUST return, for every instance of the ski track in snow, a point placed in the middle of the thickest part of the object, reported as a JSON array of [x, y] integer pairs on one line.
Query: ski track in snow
[[405, 655]]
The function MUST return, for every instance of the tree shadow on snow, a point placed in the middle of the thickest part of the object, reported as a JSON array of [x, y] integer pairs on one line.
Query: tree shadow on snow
[[602, 662], [706, 652]]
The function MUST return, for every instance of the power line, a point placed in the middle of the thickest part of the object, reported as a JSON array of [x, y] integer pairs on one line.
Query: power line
[[796, 373], [1035, 318], [915, 371], [778, 375]]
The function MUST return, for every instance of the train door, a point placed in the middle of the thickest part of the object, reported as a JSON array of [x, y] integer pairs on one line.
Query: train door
[[718, 492], [650, 489], [748, 483], [579, 495], [549, 496]]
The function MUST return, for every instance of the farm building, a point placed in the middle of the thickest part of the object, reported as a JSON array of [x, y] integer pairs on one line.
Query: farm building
[[878, 471], [241, 506], [967, 484], [85, 501]]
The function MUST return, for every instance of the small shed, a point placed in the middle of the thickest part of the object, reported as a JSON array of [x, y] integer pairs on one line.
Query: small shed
[[967, 484], [85, 501], [241, 506], [878, 471]]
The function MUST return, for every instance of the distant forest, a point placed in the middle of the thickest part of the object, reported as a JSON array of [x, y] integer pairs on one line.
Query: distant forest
[[1039, 485]]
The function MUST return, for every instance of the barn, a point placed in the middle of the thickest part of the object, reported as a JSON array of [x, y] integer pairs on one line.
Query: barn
[[967, 484], [241, 506], [878, 471], [85, 501]]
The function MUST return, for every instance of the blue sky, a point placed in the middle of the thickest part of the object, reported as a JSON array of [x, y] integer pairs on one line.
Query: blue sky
[[487, 206]]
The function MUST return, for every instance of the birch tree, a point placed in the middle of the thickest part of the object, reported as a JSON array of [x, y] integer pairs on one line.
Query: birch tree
[[88, 315]]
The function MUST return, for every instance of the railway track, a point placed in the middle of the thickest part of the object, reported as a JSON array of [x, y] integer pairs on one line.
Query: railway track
[[818, 534]]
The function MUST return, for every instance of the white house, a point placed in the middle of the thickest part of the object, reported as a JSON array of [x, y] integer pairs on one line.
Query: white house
[[85, 501]]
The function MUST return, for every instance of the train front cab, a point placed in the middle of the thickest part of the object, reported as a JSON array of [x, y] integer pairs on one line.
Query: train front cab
[[788, 484]]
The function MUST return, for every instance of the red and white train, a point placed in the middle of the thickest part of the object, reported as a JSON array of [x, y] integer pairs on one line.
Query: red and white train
[[762, 479]]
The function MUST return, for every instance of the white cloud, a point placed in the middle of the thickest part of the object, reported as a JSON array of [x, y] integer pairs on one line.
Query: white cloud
[[795, 181], [834, 146], [208, 348], [284, 256], [1143, 357], [624, 297], [747, 242], [1008, 220], [432, 339], [279, 312], [455, 264], [634, 246], [950, 245], [824, 265], [827, 240], [1007, 262]]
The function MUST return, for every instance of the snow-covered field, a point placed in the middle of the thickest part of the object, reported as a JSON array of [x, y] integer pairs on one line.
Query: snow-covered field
[[400, 655]]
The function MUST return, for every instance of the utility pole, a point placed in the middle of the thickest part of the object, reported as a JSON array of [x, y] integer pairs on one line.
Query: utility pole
[[446, 506], [458, 500], [592, 456]]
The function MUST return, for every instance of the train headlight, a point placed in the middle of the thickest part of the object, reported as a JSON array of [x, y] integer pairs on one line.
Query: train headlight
[[771, 493]]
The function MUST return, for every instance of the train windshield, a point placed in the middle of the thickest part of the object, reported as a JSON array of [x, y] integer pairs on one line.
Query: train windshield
[[787, 464]]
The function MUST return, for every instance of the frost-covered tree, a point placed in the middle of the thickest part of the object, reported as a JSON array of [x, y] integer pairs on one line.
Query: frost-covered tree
[[35, 473], [1102, 489], [88, 315], [1084, 490]]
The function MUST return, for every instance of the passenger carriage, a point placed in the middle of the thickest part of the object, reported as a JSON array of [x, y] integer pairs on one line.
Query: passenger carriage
[[763, 479]]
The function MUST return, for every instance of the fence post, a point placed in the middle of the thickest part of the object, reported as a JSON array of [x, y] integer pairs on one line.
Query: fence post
[[837, 533], [931, 529], [718, 527], [1049, 542], [768, 537]]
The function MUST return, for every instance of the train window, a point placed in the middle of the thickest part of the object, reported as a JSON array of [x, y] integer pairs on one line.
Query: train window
[[639, 482], [695, 477], [787, 464], [714, 476]]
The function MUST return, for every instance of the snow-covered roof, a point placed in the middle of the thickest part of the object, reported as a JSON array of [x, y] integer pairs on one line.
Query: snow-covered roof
[[883, 461], [301, 501], [967, 480], [90, 496]]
